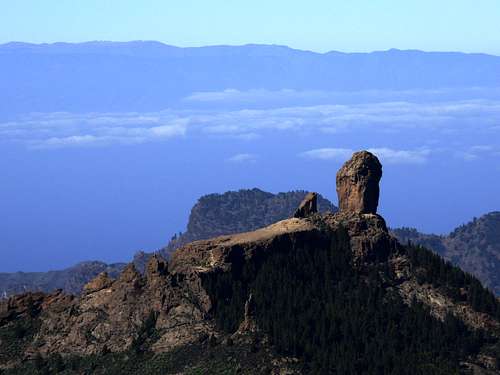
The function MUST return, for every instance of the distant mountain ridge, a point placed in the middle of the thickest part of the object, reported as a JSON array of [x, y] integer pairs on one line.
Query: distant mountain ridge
[[154, 76], [239, 211], [71, 279], [213, 215]]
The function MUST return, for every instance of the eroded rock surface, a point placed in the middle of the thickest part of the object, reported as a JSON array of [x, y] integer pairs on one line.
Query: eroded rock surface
[[308, 206], [358, 183]]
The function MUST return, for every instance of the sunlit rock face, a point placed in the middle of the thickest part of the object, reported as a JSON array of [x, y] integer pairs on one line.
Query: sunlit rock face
[[358, 183]]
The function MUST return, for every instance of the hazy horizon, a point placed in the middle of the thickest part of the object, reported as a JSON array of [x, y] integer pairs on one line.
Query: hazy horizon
[[105, 146], [302, 49], [318, 25]]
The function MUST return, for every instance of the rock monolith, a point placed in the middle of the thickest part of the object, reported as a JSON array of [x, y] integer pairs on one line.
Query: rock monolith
[[358, 183]]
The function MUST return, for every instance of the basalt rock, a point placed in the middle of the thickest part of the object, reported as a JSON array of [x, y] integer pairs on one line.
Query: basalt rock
[[358, 183], [308, 206]]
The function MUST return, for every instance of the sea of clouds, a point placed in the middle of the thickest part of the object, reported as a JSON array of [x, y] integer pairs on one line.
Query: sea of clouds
[[464, 128]]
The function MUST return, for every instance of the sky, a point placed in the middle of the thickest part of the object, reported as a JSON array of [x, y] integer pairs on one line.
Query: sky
[[80, 186], [318, 25]]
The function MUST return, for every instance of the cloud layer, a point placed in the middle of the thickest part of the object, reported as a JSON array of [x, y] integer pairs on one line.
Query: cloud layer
[[387, 155], [399, 132], [243, 158]]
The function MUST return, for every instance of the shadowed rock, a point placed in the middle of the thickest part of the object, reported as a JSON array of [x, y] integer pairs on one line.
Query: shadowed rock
[[308, 206], [358, 183]]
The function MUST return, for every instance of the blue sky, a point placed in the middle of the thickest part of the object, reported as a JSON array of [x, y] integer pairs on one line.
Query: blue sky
[[319, 25]]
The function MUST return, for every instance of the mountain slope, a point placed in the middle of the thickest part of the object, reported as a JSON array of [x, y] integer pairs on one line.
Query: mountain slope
[[320, 293], [213, 215], [474, 247]]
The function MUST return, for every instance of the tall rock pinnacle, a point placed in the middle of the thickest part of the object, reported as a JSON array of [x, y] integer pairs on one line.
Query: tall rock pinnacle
[[357, 183]]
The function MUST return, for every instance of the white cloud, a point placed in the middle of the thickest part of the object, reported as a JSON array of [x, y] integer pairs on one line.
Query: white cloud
[[73, 140], [267, 97], [167, 131], [328, 153], [242, 158], [387, 155], [478, 152], [255, 96], [430, 120], [56, 130]]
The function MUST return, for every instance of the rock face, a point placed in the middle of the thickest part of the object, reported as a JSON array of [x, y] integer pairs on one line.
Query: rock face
[[249, 289], [102, 281], [239, 211], [357, 183], [308, 206]]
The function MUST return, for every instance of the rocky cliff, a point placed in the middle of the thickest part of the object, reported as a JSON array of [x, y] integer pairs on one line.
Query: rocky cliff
[[239, 211], [213, 215], [320, 293]]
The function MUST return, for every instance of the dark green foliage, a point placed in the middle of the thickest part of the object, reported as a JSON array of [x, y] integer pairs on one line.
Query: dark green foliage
[[459, 285], [189, 360], [15, 336], [474, 247], [314, 305]]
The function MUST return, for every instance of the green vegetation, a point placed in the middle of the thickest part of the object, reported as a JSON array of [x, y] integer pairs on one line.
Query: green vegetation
[[314, 305], [191, 360], [459, 285], [14, 338], [474, 247]]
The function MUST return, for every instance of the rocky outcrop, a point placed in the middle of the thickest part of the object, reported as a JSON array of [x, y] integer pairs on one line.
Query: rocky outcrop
[[21, 305], [213, 215], [249, 324], [358, 183], [308, 206], [102, 281], [239, 211], [369, 238], [188, 301]]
